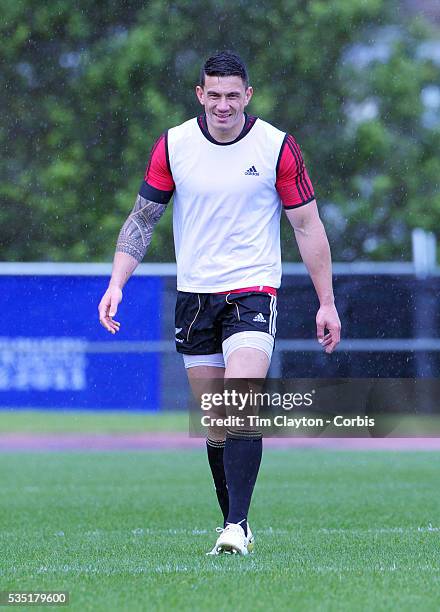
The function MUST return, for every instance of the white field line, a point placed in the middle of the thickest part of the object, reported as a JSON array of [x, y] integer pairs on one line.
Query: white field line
[[252, 566], [267, 531]]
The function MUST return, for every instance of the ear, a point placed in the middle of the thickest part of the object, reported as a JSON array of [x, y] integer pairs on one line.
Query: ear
[[248, 95], [200, 94]]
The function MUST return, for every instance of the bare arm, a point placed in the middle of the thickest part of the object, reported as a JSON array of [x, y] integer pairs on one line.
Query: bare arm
[[315, 252], [133, 242]]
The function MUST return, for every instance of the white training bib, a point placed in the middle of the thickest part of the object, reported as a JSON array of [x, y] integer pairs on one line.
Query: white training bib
[[226, 215]]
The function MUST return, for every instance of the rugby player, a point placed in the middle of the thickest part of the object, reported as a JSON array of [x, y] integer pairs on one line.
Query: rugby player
[[231, 174]]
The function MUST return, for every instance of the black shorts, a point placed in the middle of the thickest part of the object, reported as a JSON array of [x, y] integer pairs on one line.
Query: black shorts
[[204, 320]]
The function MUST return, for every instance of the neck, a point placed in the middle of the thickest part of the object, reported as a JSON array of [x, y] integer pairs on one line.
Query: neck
[[226, 135]]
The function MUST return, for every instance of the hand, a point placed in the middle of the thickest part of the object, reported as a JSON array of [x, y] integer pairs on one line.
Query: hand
[[108, 307], [327, 318]]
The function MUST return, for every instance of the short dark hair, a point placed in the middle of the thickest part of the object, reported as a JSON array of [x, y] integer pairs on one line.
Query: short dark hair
[[224, 63]]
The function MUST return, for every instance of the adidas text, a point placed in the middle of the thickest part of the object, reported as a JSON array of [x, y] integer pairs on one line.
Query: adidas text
[[252, 171]]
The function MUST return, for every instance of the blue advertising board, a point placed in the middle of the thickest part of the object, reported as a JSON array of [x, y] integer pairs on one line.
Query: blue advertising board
[[55, 354]]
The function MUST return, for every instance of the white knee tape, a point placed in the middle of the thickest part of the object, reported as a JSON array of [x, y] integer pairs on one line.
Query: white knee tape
[[215, 361], [248, 339]]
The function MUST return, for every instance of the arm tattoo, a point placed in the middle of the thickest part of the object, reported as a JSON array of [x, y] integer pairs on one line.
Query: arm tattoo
[[135, 235]]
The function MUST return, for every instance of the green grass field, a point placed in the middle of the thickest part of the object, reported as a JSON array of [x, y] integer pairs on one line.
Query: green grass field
[[129, 531], [81, 421]]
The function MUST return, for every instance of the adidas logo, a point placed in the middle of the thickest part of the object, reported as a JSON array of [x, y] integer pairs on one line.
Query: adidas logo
[[259, 318], [252, 171]]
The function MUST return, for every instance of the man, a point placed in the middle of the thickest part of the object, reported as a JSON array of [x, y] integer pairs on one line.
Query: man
[[230, 174]]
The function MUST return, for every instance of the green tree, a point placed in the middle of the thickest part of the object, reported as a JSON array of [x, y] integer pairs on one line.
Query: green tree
[[87, 88]]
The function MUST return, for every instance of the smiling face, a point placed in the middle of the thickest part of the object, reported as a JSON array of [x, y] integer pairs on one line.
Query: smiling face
[[224, 99]]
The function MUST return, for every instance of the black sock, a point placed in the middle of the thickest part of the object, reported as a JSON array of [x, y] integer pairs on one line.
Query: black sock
[[215, 451], [242, 460]]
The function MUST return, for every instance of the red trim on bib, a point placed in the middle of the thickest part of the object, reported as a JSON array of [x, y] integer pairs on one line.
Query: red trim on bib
[[259, 288], [158, 172], [293, 183]]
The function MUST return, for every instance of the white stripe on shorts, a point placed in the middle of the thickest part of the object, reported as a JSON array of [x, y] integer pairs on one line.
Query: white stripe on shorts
[[273, 315]]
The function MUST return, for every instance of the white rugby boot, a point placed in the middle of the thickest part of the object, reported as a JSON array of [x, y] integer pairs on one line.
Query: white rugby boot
[[232, 540], [214, 551], [250, 542]]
